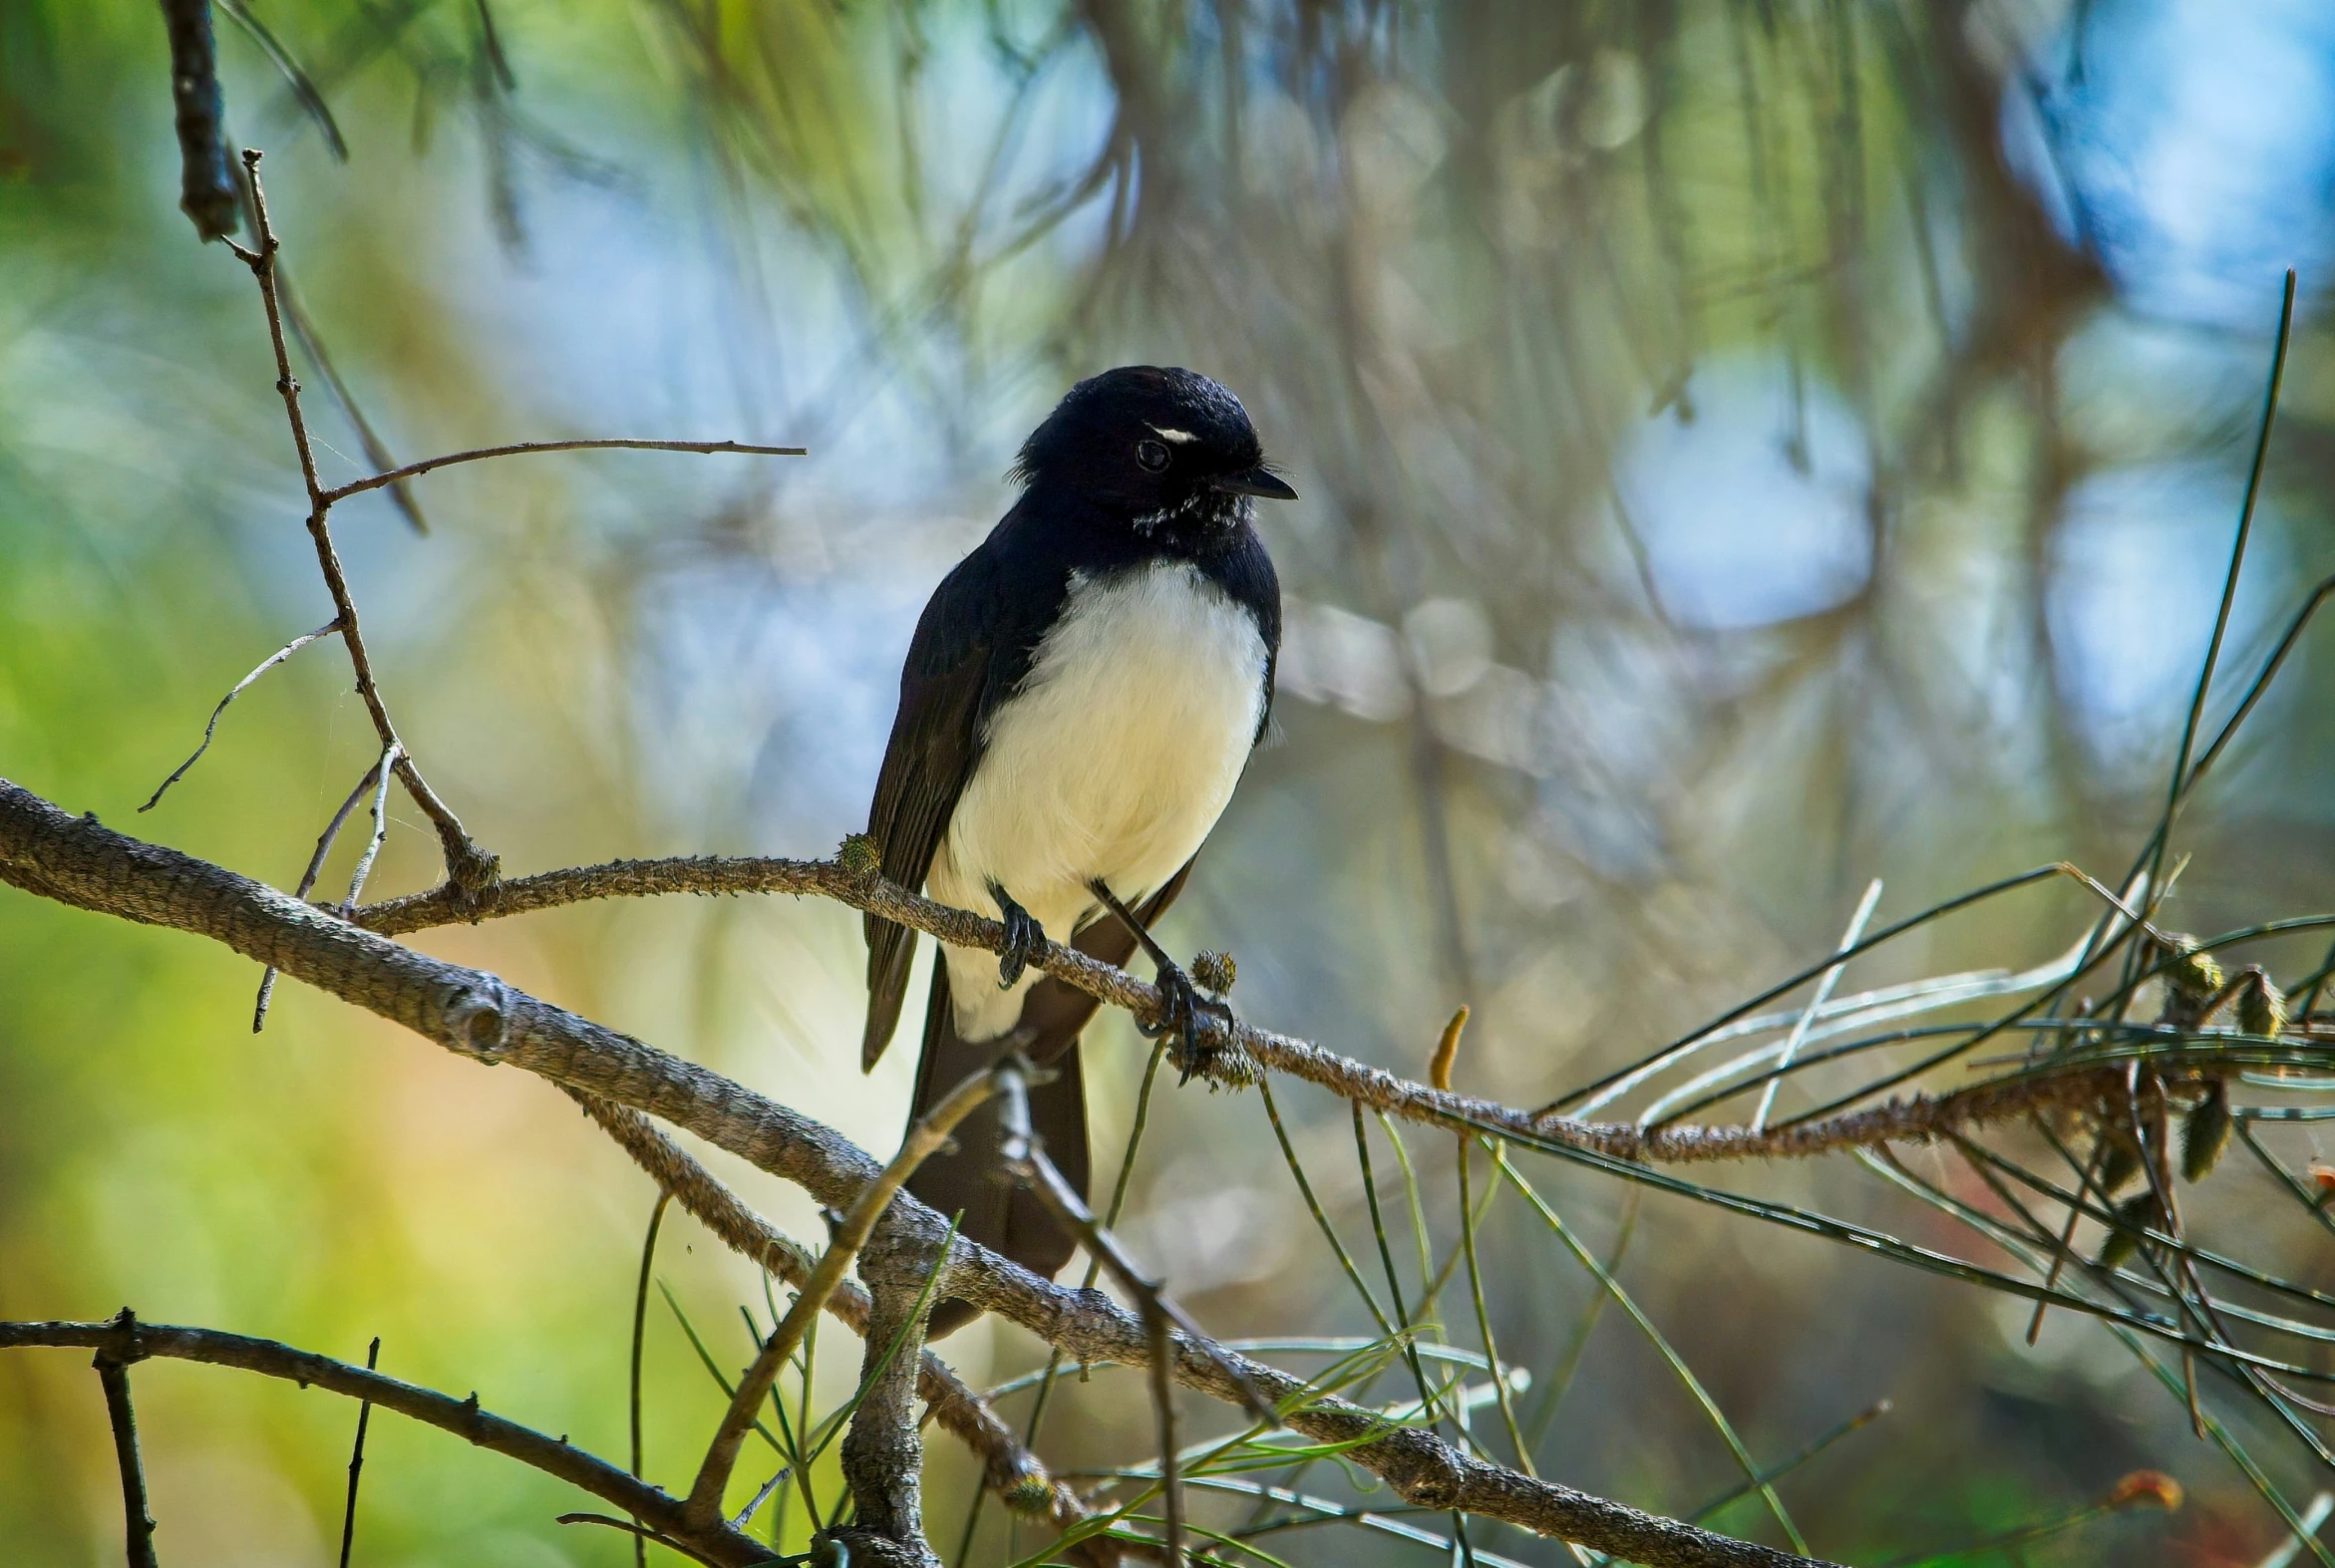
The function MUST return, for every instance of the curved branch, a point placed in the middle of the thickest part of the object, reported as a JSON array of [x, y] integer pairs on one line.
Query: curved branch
[[79, 861], [374, 481], [1919, 1118], [923, 1139], [125, 1340]]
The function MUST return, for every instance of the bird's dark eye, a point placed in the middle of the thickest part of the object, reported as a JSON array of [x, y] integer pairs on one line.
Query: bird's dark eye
[[1152, 454]]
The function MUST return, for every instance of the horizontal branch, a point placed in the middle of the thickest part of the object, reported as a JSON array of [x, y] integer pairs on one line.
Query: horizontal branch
[[81, 862], [1918, 1118], [125, 1340], [412, 469]]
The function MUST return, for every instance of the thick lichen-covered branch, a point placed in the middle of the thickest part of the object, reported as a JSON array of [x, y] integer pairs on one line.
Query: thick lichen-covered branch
[[81, 862]]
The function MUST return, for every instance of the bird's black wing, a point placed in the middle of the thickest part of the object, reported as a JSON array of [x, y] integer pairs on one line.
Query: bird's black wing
[[972, 647]]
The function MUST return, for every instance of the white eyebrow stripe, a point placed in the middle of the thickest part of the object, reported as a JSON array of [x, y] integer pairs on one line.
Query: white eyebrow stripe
[[1180, 436]]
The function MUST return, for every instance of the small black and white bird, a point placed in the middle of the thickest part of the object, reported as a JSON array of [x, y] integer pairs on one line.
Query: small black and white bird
[[1082, 693]]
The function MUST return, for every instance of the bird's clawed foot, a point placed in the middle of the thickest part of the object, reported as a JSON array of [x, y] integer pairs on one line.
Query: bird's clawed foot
[[1183, 1008], [1025, 938]]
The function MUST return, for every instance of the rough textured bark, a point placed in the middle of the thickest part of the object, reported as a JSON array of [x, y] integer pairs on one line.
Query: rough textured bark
[[1007, 1468], [79, 861], [884, 1457]]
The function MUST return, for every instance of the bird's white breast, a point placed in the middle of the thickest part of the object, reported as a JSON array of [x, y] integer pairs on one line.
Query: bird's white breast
[[1113, 761]]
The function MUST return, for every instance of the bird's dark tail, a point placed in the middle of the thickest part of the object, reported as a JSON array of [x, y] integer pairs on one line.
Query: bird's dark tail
[[972, 1180]]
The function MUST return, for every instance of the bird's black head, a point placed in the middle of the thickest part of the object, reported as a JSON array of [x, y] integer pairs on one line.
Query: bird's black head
[[1166, 449]]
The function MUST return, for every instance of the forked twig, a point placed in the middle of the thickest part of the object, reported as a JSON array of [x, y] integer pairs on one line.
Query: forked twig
[[307, 883], [125, 1340], [468, 868], [113, 1362]]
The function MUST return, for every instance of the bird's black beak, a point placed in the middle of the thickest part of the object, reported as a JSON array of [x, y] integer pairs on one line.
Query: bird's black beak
[[1255, 481]]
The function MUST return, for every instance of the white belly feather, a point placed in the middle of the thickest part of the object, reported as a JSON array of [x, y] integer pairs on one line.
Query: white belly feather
[[1113, 761]]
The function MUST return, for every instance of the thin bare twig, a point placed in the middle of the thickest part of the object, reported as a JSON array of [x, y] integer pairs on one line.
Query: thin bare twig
[[307, 885], [303, 327], [380, 833], [212, 728], [375, 449], [127, 1341], [1022, 1155], [1008, 1468], [923, 1140], [640, 1312], [761, 1496], [641, 1535], [113, 1362], [357, 1459], [1025, 1156], [1245, 1046], [341, 492], [468, 868], [1162, 1379], [1097, 1550]]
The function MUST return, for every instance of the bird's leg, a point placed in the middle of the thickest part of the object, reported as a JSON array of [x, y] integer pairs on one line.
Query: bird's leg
[[1025, 938], [1182, 1004]]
